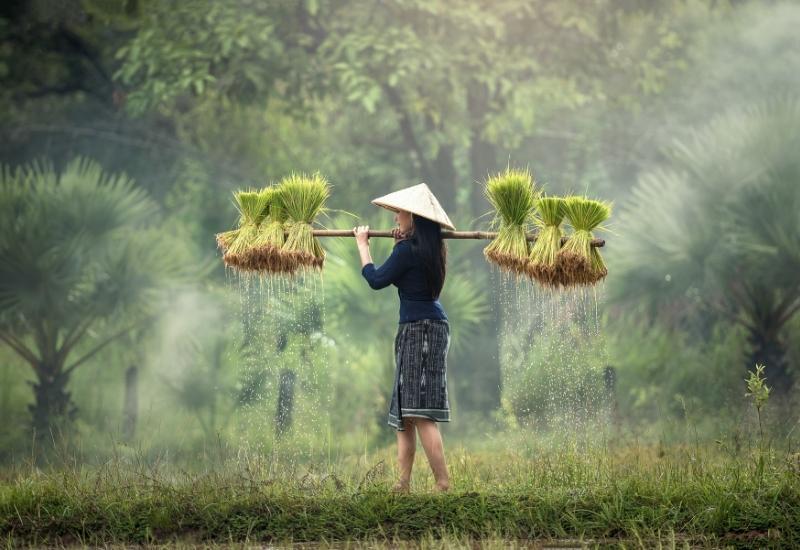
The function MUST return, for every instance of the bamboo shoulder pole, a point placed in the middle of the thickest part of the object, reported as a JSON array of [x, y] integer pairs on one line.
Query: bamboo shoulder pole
[[446, 234]]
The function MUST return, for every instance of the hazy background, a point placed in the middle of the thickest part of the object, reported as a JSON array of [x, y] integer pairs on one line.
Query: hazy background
[[122, 331]]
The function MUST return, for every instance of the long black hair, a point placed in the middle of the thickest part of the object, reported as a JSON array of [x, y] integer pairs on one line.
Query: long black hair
[[428, 245]]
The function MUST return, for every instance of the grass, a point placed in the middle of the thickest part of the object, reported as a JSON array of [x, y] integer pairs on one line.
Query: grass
[[636, 494], [513, 195], [268, 241]]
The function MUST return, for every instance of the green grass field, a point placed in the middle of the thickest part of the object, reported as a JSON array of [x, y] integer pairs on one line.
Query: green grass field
[[636, 496]]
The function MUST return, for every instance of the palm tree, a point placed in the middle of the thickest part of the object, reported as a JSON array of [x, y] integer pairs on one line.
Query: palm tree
[[81, 265], [717, 232]]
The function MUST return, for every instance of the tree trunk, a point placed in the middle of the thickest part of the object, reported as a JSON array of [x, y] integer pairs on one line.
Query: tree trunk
[[482, 154], [52, 406], [770, 351], [283, 414], [610, 385], [131, 405], [482, 162], [446, 182]]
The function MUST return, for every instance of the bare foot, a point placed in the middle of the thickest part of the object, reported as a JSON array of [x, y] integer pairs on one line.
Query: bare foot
[[401, 486], [442, 487]]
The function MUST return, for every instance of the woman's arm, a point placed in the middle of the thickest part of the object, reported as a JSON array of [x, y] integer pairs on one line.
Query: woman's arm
[[392, 268], [366, 257], [362, 240]]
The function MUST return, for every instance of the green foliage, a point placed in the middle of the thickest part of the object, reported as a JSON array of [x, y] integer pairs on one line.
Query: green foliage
[[201, 47], [734, 184], [759, 392], [83, 263], [456, 84], [658, 365], [240, 93], [757, 389], [59, 244]]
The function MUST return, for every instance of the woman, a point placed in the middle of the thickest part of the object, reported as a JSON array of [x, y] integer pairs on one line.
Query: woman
[[417, 267]]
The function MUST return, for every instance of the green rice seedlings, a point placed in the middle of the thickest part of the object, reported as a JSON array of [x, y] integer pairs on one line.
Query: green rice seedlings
[[265, 250], [225, 239], [273, 236], [542, 265], [303, 198], [252, 206], [513, 195], [580, 263]]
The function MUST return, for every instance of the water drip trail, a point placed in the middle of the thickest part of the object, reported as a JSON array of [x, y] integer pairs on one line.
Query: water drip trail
[[553, 355], [282, 360]]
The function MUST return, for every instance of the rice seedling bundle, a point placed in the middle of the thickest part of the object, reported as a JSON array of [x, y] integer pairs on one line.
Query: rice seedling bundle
[[252, 206], [268, 242], [513, 196], [303, 198], [225, 239], [579, 262], [542, 265]]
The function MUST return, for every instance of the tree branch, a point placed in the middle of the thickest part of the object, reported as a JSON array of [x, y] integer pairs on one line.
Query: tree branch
[[60, 89], [86, 51], [20, 348], [100, 346], [788, 306], [40, 336], [736, 318], [74, 336], [790, 312]]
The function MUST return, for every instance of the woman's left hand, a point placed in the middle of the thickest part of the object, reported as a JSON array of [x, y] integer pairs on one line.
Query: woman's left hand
[[398, 235], [362, 235]]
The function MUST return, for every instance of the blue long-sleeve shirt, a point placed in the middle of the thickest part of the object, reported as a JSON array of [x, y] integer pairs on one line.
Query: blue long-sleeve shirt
[[404, 270]]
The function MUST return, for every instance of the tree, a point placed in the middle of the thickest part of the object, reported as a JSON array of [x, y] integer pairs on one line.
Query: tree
[[82, 264], [716, 232], [465, 82]]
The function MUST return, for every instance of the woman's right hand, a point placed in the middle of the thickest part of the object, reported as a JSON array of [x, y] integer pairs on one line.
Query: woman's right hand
[[362, 235]]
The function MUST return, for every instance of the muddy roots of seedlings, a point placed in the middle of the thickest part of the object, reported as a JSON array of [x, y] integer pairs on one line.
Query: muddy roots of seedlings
[[302, 250], [509, 250]]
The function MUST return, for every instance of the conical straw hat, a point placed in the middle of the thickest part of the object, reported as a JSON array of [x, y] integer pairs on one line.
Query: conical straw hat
[[419, 200]]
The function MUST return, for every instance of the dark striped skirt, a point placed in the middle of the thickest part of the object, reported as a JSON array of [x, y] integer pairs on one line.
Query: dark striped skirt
[[420, 376]]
